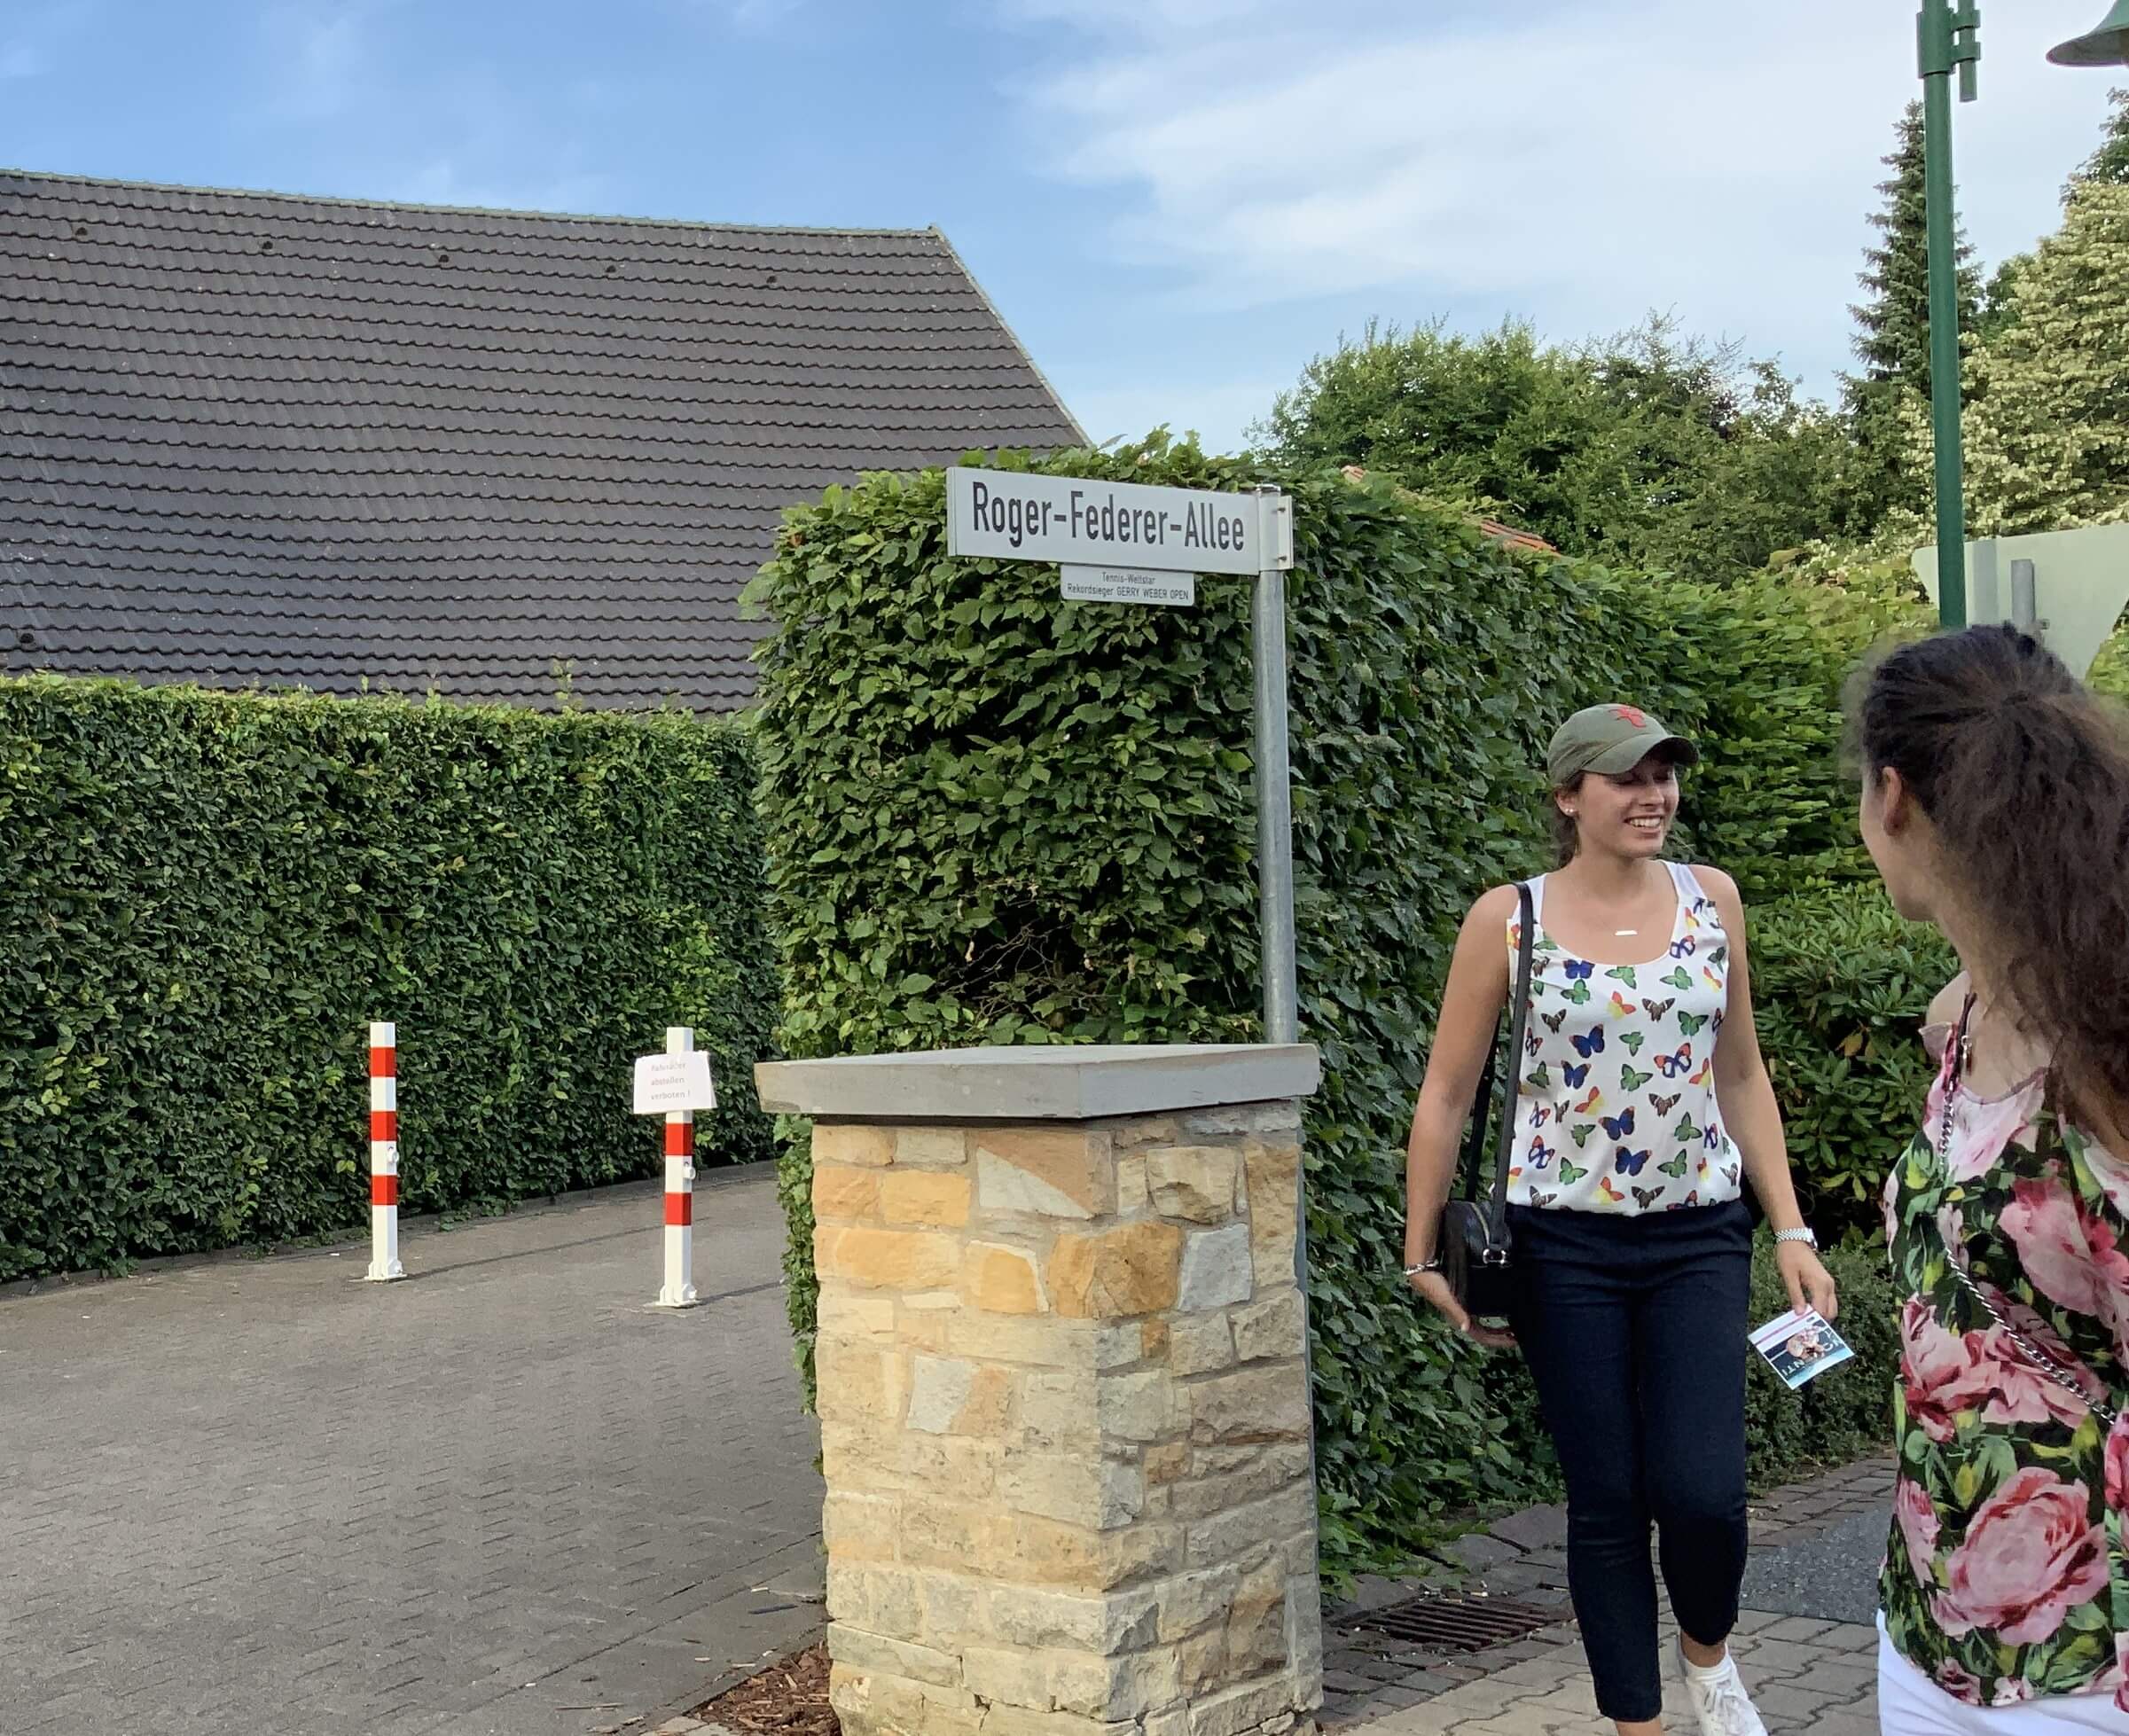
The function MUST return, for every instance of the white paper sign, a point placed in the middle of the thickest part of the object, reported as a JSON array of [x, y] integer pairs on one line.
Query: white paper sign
[[666, 1084], [1126, 584]]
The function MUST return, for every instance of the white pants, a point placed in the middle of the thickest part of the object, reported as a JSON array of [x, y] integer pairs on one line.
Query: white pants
[[1910, 1704]]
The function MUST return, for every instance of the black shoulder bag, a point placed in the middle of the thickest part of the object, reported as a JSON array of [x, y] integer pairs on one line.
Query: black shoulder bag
[[1474, 1244]]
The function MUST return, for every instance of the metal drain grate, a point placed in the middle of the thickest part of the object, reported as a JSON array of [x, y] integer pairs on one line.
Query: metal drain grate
[[1455, 1624]]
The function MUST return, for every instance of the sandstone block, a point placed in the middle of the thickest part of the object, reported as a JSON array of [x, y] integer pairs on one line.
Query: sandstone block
[[1075, 1488], [859, 1527], [1046, 1171], [1201, 1662], [949, 1396], [1256, 1625], [843, 1190], [1272, 1177], [963, 1464], [1236, 1710], [957, 1607], [928, 1198], [939, 1529], [931, 1147], [1132, 1270], [1266, 1471], [1114, 1687], [1034, 1340], [1133, 1194], [1199, 1344], [878, 1700], [862, 1650], [1119, 1621], [1166, 1461], [1002, 1280], [1216, 1267], [1135, 1405], [1233, 1118], [881, 1600], [1153, 1341], [858, 1383], [1045, 1551], [1192, 1601], [1273, 1326], [852, 1142], [1195, 1182], [843, 1314], [901, 1259], [1262, 1402], [1243, 1533]]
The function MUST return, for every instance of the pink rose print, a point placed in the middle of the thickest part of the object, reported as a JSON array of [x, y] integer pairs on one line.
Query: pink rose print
[[2022, 1393], [2011, 1690], [1959, 1682], [2070, 1258], [1983, 1131], [2117, 1466], [1943, 1374], [1918, 1526], [2031, 1553]]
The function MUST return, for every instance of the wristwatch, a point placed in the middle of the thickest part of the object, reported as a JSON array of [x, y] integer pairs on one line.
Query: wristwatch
[[1799, 1235]]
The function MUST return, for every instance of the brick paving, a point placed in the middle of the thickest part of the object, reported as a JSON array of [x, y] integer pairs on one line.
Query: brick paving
[[503, 1497], [1805, 1673]]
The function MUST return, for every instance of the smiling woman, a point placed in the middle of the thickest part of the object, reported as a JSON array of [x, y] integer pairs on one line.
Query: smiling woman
[[1641, 1105]]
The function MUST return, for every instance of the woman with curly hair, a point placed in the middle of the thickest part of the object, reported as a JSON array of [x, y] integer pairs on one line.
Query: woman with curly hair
[[1996, 806]]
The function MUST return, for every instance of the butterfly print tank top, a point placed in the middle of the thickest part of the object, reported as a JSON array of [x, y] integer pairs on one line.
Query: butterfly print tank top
[[1616, 1110]]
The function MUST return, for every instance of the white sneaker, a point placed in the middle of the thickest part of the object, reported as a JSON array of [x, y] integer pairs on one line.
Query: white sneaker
[[1720, 1702]]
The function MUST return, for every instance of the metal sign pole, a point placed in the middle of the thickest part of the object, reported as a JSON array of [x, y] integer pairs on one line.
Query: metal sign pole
[[1274, 795]]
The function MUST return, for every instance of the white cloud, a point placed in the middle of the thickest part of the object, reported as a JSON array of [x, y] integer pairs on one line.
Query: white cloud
[[319, 57], [1575, 164], [1219, 412], [441, 180], [21, 60]]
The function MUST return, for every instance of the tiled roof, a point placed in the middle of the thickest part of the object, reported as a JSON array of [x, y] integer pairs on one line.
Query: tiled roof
[[248, 439]]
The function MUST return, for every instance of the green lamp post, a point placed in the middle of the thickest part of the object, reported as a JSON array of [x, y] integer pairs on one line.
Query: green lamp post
[[1948, 39]]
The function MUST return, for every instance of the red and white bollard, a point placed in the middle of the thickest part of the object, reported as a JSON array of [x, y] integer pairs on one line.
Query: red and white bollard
[[678, 1291], [384, 1154]]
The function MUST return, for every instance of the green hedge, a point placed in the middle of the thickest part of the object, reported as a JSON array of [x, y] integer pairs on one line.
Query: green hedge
[[1841, 985], [995, 816], [204, 898]]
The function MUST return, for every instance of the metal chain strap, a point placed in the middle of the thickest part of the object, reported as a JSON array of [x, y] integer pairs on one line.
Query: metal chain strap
[[2039, 1358]]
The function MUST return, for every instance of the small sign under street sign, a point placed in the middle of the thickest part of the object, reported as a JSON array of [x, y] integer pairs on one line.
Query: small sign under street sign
[[1127, 584], [1011, 515], [667, 1085]]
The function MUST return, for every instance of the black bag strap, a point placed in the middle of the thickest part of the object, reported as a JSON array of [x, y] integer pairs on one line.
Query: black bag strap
[[1519, 1019]]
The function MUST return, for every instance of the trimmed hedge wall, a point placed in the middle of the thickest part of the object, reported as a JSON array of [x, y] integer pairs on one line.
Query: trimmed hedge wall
[[996, 816], [204, 898]]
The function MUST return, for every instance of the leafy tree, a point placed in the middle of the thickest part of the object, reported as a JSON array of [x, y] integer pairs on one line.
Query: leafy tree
[[2109, 164]]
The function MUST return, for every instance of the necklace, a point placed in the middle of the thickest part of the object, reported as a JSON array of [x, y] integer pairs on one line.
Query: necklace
[[1623, 933]]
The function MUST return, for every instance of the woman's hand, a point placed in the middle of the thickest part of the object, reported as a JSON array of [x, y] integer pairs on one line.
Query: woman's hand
[[1433, 1288], [1810, 1285]]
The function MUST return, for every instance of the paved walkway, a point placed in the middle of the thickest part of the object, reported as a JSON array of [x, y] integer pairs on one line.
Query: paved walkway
[[502, 1497], [1807, 1643]]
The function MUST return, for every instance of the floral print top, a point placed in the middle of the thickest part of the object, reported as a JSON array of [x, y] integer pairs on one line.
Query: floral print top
[[1615, 1107], [2004, 1579]]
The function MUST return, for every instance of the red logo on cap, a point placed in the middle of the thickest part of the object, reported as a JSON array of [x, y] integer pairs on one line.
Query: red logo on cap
[[1628, 714]]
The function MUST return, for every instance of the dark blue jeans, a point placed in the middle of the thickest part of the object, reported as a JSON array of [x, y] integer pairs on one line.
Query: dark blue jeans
[[1634, 1330]]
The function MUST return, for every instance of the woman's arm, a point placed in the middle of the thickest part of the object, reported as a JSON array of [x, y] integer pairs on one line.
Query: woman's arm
[[1463, 1041], [1746, 1097]]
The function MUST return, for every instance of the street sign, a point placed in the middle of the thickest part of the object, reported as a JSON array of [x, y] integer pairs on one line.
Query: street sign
[[2078, 586], [1127, 584], [667, 1085], [1012, 515]]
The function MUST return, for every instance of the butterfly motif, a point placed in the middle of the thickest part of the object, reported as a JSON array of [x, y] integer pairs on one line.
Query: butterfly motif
[[1542, 1200], [1554, 1020], [1634, 1081], [1711, 1137], [1693, 1198], [1718, 1019], [1729, 1175], [1591, 1044], [1590, 1105], [1685, 1129], [1666, 1105], [1676, 1168], [1618, 1126], [1541, 1154], [1541, 1114], [1579, 970], [1538, 1079], [1629, 1163], [1717, 955], [1620, 1007], [1545, 944], [1693, 917], [1684, 947], [1706, 1075], [1575, 994], [1647, 1197], [1610, 1193], [1633, 1040], [1580, 1135], [1691, 1022], [1622, 973], [1679, 979], [1574, 1076], [1672, 1065], [1569, 1174], [1515, 1174], [1533, 1045], [1657, 1009], [1712, 980]]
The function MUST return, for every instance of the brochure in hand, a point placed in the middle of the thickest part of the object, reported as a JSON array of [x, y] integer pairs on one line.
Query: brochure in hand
[[1799, 1346]]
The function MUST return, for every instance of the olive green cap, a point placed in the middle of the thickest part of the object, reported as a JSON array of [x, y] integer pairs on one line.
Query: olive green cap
[[1608, 739]]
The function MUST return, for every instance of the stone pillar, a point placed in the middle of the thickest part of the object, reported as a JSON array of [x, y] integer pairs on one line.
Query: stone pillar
[[1064, 1398]]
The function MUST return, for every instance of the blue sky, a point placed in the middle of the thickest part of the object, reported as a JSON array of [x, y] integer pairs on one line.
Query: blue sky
[[1175, 203]]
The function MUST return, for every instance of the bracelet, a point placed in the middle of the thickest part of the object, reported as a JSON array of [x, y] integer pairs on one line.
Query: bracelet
[[1803, 1235], [1433, 1265]]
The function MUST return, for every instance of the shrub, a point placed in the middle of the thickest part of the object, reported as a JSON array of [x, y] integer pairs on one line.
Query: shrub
[[204, 897], [1841, 985], [1847, 1411], [995, 816]]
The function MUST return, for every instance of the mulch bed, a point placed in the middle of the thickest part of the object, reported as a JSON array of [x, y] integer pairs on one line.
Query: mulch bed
[[789, 1698]]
